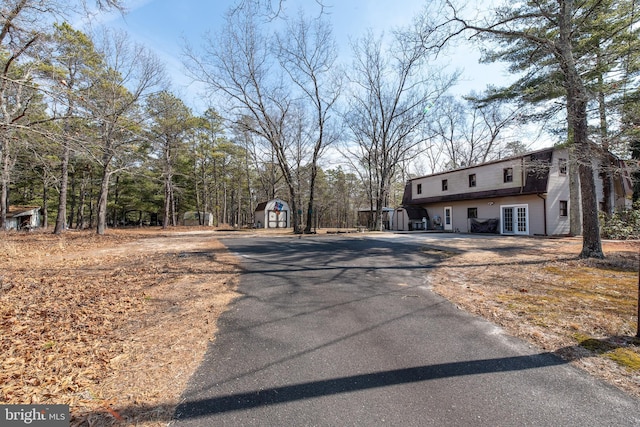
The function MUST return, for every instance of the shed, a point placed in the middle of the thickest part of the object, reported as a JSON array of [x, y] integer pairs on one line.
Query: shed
[[192, 218], [23, 218], [408, 218], [273, 214]]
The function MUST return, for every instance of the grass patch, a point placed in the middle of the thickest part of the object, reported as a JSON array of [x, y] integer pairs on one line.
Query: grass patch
[[623, 356], [593, 344], [557, 302]]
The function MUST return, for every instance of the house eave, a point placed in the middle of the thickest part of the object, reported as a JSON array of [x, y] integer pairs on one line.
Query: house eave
[[488, 194]]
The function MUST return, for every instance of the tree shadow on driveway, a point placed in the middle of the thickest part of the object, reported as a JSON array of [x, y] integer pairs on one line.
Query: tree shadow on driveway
[[353, 383]]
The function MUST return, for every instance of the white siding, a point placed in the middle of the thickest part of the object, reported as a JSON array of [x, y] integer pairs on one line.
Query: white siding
[[490, 209], [558, 190], [270, 217], [400, 220], [489, 176]]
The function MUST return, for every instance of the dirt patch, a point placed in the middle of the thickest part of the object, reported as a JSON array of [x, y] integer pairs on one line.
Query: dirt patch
[[538, 289], [114, 325]]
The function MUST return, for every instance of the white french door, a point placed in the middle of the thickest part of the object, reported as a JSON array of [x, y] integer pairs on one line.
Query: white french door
[[515, 219]]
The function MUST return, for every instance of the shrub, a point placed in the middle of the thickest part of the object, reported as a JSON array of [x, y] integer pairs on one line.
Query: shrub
[[621, 225]]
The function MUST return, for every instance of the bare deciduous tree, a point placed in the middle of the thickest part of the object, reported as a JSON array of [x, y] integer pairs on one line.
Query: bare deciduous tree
[[469, 133], [242, 65], [308, 53], [391, 89]]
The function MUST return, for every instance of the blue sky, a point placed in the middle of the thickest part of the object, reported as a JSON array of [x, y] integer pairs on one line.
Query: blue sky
[[163, 25]]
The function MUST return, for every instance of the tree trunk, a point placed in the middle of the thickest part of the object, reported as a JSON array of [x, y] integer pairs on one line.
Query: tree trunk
[[167, 204], [239, 203], [4, 185], [312, 183], [224, 206], [45, 206], [3, 205], [174, 205], [81, 221], [577, 122], [575, 210], [591, 243], [72, 214], [606, 166], [102, 202], [61, 219], [295, 216]]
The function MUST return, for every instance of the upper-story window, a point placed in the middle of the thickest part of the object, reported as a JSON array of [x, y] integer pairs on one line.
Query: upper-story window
[[445, 184], [419, 188], [507, 174], [562, 166], [472, 180]]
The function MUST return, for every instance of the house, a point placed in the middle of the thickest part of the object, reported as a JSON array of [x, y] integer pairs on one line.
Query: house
[[409, 218], [521, 195], [193, 218], [23, 218], [273, 214]]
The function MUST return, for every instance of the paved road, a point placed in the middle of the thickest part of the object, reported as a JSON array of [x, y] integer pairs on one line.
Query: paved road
[[344, 331]]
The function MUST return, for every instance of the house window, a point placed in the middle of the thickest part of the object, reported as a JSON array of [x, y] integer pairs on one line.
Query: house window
[[472, 180], [562, 166], [472, 212], [508, 174], [445, 184], [564, 208], [419, 188]]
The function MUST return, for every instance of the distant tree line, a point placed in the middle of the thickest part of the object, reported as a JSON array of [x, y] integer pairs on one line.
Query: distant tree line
[[91, 130]]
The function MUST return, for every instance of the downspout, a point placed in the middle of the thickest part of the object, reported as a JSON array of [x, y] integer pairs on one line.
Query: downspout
[[523, 175]]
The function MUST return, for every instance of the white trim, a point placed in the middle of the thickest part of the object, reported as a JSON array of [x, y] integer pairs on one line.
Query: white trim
[[515, 223]]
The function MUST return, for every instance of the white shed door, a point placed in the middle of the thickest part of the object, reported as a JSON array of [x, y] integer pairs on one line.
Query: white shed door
[[277, 219]]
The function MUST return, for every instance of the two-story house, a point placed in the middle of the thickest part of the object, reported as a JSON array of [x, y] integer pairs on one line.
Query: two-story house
[[522, 195]]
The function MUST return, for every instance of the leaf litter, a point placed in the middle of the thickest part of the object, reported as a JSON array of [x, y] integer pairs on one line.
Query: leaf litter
[[539, 290], [111, 325]]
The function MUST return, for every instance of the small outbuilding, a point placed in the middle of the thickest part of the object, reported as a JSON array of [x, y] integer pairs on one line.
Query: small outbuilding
[[273, 214], [409, 218], [23, 218], [193, 218], [367, 218]]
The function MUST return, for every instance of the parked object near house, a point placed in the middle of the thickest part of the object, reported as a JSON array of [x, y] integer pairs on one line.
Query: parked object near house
[[193, 218], [23, 218], [521, 195], [366, 218], [410, 218], [273, 214]]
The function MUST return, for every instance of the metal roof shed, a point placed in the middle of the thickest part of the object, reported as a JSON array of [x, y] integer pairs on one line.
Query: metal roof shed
[[23, 218], [273, 214]]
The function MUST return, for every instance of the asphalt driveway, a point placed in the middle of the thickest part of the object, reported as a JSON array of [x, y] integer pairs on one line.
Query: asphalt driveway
[[339, 331]]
